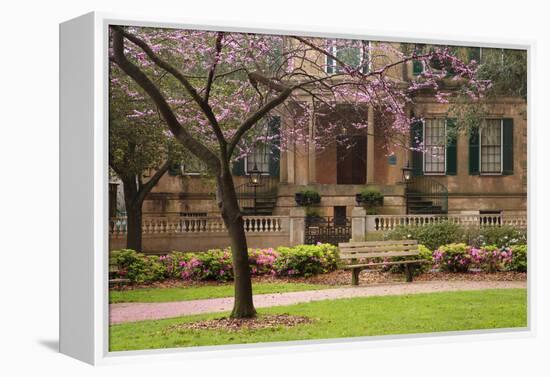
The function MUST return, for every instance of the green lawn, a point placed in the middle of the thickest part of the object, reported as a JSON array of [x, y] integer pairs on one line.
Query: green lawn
[[408, 314], [205, 291]]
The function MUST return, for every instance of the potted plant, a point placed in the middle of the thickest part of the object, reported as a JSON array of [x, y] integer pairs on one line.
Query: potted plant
[[307, 197], [370, 197]]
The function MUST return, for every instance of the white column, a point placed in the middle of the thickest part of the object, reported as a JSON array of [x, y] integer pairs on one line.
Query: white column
[[297, 225], [358, 224]]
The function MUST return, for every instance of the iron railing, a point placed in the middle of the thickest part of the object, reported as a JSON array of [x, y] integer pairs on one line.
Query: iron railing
[[426, 195], [249, 194], [333, 230]]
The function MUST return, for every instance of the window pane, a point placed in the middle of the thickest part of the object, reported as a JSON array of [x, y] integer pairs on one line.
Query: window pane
[[354, 54], [434, 142], [491, 146], [259, 157]]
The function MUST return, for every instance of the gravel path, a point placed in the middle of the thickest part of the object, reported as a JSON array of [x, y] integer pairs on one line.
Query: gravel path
[[131, 312]]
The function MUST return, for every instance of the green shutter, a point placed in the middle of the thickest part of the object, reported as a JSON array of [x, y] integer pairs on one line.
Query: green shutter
[[274, 147], [417, 136], [507, 146], [451, 147], [418, 67], [474, 152], [238, 167]]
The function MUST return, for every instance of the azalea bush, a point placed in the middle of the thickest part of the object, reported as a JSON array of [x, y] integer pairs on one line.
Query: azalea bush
[[491, 258], [210, 265], [306, 260], [217, 265], [262, 261], [458, 257], [454, 257], [519, 259]]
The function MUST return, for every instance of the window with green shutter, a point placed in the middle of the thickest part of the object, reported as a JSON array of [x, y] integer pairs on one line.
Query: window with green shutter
[[451, 147], [356, 55], [418, 65], [507, 146]]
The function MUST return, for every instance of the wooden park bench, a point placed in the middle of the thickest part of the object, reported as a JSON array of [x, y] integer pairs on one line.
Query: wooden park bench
[[358, 256]]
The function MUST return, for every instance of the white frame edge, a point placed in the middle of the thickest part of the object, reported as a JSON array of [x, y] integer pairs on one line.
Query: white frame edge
[[84, 324]]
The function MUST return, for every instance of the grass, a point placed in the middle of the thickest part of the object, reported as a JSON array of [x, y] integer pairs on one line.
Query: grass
[[384, 315], [201, 292]]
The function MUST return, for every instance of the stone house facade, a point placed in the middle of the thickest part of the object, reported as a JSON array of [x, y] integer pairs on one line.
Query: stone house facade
[[484, 171]]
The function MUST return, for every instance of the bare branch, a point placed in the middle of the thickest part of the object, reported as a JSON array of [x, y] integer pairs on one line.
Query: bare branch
[[213, 69], [146, 84], [206, 109]]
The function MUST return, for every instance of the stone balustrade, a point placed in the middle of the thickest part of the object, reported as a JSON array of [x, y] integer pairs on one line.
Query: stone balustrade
[[194, 225], [390, 222]]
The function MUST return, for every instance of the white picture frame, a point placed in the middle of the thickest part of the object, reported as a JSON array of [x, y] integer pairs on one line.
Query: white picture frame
[[84, 193]]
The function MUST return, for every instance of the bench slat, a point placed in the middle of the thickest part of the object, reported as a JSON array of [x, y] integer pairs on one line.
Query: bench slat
[[379, 249], [350, 266], [377, 243], [385, 254]]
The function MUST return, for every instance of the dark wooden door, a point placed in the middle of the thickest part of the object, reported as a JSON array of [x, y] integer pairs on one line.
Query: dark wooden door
[[351, 155]]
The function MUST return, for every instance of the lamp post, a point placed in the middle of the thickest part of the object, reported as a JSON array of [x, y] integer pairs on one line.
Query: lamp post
[[255, 178], [407, 174]]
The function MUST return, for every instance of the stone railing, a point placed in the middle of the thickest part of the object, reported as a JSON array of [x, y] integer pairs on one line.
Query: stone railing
[[198, 225], [389, 222]]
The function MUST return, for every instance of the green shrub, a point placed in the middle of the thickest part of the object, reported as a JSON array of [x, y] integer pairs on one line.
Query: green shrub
[[519, 259], [307, 197], [371, 196], [500, 236], [137, 267], [435, 235], [432, 236], [306, 260]]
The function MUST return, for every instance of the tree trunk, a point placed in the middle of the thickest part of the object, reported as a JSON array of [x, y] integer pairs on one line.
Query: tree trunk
[[133, 235], [243, 306], [133, 215]]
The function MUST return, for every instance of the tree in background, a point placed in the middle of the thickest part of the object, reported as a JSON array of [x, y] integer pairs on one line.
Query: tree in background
[[215, 91], [140, 149]]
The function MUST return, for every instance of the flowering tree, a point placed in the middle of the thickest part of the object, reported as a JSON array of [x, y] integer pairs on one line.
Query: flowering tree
[[214, 91]]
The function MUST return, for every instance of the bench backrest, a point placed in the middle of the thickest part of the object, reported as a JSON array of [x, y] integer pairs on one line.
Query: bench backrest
[[377, 249]]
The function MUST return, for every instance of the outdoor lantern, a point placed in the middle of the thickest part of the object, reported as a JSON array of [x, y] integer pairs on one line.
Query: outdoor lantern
[[407, 170], [255, 175]]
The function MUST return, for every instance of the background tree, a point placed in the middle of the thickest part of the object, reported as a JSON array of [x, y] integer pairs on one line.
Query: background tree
[[505, 69], [214, 89], [140, 149]]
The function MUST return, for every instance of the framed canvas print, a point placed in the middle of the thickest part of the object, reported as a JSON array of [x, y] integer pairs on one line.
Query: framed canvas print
[[225, 187]]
